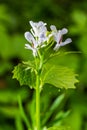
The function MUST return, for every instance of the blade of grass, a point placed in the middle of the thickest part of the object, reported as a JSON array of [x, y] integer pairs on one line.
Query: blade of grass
[[55, 105], [23, 113]]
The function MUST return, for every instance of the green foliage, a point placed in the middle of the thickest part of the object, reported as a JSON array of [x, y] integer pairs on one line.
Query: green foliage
[[58, 76], [4, 67], [53, 108], [9, 109], [23, 115], [59, 128], [11, 96], [26, 76], [13, 23]]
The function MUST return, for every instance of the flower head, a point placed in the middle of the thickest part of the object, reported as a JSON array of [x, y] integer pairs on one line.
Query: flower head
[[38, 28], [58, 35], [39, 31], [38, 37]]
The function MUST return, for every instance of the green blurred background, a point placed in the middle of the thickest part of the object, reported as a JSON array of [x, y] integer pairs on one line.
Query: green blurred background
[[14, 17]]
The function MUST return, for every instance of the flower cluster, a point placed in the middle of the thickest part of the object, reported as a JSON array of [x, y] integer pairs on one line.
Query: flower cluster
[[38, 37]]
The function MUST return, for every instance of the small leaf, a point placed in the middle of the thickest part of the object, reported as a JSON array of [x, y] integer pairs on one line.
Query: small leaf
[[58, 119], [59, 76], [59, 128], [25, 75], [57, 102]]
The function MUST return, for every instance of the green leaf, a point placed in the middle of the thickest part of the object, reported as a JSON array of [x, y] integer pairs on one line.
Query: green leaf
[[59, 76], [59, 118], [54, 106], [25, 75], [59, 128], [57, 102]]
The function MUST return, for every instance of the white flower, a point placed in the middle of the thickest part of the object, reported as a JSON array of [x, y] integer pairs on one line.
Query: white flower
[[58, 37], [33, 43], [37, 37], [38, 28], [39, 31]]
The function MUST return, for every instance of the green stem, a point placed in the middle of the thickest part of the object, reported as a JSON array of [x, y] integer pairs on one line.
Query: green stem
[[38, 102], [38, 85]]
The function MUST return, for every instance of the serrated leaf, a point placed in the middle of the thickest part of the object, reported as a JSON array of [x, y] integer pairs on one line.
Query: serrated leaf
[[24, 75], [59, 128], [59, 76]]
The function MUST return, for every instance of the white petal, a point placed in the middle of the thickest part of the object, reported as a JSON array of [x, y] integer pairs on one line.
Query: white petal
[[32, 23], [38, 28], [67, 41], [43, 29], [34, 28], [58, 36], [34, 50], [64, 31], [27, 46], [41, 23], [42, 36], [53, 28], [37, 24], [29, 37], [56, 47]]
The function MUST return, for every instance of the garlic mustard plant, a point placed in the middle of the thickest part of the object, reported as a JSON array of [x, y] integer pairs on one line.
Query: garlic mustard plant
[[43, 45]]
